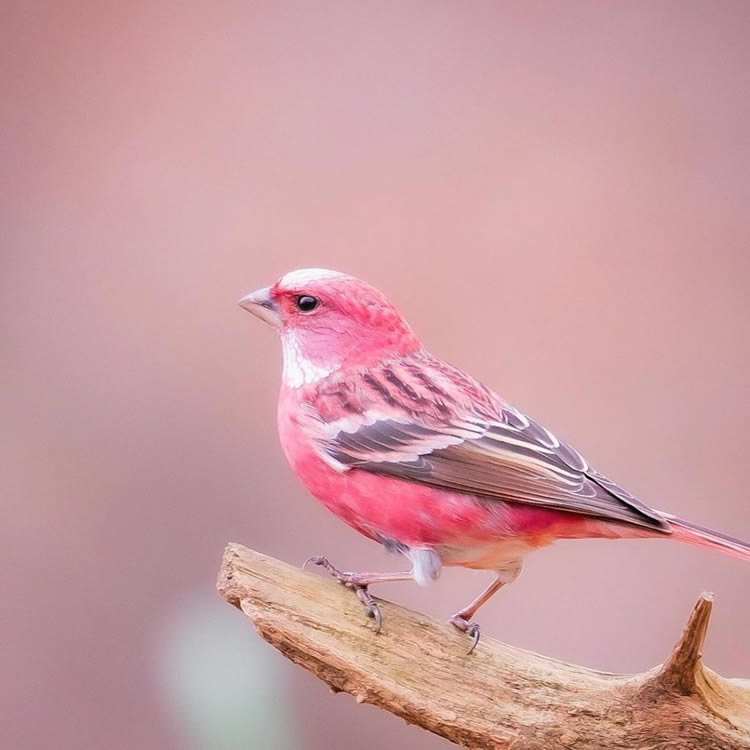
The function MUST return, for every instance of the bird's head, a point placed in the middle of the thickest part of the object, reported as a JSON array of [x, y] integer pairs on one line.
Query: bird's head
[[328, 320]]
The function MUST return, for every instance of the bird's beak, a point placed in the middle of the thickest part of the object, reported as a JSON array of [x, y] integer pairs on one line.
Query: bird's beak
[[262, 305]]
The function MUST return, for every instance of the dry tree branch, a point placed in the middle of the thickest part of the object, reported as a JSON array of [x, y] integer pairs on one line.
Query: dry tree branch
[[498, 697]]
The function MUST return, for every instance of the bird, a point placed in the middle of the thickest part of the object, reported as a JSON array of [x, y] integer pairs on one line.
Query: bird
[[421, 457]]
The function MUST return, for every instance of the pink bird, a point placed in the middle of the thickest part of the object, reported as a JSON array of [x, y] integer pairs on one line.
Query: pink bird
[[421, 457]]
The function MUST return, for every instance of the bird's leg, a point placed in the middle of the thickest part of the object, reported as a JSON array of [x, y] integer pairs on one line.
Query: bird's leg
[[462, 619], [359, 582]]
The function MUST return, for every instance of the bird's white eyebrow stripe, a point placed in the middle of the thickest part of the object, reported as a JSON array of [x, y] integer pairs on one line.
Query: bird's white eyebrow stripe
[[305, 275]]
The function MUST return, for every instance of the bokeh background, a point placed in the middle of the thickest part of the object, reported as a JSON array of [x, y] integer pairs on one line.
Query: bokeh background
[[555, 194]]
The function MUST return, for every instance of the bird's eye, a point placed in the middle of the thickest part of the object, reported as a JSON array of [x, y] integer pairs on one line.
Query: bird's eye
[[306, 303]]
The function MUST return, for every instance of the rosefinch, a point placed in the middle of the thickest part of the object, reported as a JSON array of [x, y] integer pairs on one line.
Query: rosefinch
[[423, 458]]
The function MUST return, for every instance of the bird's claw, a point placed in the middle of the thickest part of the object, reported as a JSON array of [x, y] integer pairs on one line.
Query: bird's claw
[[370, 605], [470, 628], [350, 581], [318, 560]]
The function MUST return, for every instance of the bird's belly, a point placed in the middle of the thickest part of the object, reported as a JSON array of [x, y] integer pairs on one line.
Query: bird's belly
[[497, 554], [386, 508]]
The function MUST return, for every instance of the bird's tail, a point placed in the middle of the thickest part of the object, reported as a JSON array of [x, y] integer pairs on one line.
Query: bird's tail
[[690, 532]]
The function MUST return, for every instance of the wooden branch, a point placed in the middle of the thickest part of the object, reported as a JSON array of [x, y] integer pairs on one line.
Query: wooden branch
[[497, 697]]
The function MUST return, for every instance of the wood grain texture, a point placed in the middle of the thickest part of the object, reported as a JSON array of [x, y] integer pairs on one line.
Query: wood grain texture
[[497, 697]]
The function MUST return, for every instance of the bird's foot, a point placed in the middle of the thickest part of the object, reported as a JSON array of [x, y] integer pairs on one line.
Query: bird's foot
[[352, 581], [466, 626]]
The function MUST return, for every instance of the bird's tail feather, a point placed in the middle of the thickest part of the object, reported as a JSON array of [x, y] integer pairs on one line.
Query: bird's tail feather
[[690, 532]]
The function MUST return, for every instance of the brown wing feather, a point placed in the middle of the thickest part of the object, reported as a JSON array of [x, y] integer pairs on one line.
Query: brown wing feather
[[424, 421], [495, 452], [486, 468]]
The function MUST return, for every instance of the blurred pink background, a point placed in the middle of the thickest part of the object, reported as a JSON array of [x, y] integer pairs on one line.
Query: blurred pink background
[[556, 195]]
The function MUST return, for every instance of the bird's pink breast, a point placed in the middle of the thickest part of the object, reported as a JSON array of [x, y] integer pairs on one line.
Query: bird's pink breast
[[418, 515]]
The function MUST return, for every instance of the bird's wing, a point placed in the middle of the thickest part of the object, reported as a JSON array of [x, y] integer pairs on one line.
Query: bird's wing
[[426, 422]]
